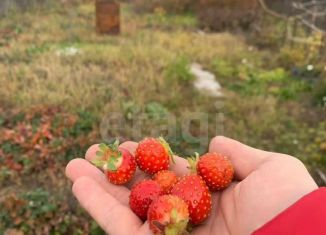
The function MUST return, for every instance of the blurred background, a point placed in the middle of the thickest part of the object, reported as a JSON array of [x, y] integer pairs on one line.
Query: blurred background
[[253, 70]]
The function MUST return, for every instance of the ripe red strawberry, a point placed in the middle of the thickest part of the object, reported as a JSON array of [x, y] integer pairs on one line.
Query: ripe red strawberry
[[118, 163], [153, 155], [142, 195], [216, 170], [168, 215], [166, 179], [193, 190]]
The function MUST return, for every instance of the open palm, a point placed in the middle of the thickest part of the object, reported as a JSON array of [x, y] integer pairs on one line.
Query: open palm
[[267, 183]]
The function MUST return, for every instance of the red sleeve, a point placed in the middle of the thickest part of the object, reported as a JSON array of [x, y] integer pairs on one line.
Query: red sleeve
[[305, 217]]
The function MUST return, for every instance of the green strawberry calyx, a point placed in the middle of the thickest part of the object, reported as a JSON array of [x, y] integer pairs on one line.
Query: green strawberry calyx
[[167, 148], [193, 161], [176, 226], [108, 157]]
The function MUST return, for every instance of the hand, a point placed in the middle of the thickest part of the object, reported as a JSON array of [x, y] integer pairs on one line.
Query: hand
[[266, 184]]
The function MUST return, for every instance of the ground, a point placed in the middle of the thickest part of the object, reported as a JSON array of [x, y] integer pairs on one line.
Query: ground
[[59, 79]]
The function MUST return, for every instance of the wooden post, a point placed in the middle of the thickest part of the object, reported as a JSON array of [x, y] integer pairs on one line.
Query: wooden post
[[107, 17]]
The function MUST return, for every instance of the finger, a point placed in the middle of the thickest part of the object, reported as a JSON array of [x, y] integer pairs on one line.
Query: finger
[[91, 152], [139, 176], [130, 146], [144, 230], [180, 167], [78, 168], [109, 213], [245, 159]]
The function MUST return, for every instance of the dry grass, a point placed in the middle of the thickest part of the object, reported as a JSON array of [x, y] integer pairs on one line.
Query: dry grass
[[135, 68], [108, 69]]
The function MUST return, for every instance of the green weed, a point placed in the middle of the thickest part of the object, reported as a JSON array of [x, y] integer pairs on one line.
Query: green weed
[[179, 70], [155, 110]]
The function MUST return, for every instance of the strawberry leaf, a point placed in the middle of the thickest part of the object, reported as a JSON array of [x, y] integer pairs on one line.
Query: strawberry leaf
[[192, 161], [98, 163], [116, 143], [167, 148], [111, 166], [103, 147], [99, 154], [108, 156]]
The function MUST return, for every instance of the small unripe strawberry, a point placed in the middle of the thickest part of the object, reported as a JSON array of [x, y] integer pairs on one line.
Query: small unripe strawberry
[[118, 163], [142, 195], [166, 179], [168, 215], [153, 155], [216, 169]]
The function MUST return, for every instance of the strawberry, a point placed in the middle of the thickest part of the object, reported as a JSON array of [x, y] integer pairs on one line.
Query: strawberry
[[216, 170], [193, 190], [153, 155], [168, 215], [142, 195], [118, 163], [166, 179]]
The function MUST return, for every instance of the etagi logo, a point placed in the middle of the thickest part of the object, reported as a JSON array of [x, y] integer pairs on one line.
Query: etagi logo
[[194, 129]]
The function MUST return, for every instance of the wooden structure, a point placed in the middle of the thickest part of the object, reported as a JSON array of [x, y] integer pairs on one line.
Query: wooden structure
[[222, 14], [107, 17]]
